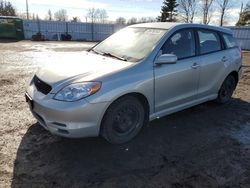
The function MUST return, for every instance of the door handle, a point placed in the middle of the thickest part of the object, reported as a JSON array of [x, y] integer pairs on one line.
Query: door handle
[[224, 59], [195, 66]]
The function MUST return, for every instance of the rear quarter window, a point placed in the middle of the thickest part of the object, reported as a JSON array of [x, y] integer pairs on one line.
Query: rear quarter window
[[229, 41]]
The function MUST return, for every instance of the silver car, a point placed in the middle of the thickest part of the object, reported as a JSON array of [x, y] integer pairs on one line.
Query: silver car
[[138, 74]]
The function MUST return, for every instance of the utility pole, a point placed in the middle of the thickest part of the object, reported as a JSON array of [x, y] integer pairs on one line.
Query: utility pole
[[92, 29], [241, 8], [27, 9]]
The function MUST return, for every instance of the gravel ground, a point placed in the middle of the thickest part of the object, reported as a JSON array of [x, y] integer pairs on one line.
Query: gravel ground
[[205, 146]]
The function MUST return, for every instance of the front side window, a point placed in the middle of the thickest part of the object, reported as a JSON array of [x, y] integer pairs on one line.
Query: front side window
[[209, 41], [229, 40], [182, 44]]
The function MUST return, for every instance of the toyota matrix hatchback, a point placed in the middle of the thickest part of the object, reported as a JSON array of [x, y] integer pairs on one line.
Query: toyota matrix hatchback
[[138, 74]]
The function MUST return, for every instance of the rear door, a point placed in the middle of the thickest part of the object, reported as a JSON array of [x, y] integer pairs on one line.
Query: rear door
[[212, 62], [232, 49], [177, 84]]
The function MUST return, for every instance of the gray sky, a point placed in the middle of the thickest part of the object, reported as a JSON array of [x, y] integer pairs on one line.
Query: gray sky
[[115, 8]]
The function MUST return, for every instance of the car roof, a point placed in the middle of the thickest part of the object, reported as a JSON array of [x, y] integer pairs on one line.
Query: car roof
[[171, 25], [157, 25]]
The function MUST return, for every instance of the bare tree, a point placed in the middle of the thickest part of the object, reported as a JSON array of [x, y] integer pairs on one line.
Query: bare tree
[[187, 10], [92, 14], [76, 19], [7, 9], [121, 21], [151, 19], [49, 15], [223, 6], [142, 20], [103, 15], [206, 10], [33, 17], [132, 21], [97, 15], [146, 20], [61, 15], [37, 17]]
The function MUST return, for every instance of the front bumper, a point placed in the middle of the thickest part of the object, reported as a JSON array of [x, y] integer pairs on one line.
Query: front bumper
[[68, 119]]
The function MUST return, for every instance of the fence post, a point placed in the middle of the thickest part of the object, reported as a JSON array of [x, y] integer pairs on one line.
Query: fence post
[[38, 25], [92, 30], [113, 29], [67, 27]]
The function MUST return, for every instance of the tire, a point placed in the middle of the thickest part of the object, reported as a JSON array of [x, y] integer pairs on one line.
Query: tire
[[226, 90], [123, 120]]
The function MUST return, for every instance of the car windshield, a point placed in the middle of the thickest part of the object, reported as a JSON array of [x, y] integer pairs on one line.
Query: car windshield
[[130, 44]]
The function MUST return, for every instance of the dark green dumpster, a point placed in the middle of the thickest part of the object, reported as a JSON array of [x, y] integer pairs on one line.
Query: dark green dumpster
[[11, 28]]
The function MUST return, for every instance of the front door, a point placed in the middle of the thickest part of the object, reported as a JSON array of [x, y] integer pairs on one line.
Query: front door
[[176, 85]]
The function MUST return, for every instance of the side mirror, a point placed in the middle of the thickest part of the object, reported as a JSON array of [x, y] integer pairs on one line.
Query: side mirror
[[166, 59]]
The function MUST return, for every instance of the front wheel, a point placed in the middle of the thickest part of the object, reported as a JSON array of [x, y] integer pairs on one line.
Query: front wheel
[[123, 120], [226, 90]]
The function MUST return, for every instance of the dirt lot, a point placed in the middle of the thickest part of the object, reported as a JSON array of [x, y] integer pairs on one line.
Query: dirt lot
[[205, 146]]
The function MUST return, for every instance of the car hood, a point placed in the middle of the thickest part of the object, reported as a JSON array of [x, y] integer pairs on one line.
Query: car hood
[[85, 67]]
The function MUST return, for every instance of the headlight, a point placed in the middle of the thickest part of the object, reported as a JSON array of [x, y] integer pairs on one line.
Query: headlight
[[77, 91]]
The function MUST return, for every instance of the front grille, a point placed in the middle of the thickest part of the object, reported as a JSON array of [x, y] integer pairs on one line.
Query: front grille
[[41, 85]]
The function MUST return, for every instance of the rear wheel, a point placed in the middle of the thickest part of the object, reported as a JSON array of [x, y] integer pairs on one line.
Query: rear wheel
[[123, 120], [226, 90]]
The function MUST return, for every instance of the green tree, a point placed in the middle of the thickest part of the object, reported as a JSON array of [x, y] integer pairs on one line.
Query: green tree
[[168, 11], [244, 16], [7, 9]]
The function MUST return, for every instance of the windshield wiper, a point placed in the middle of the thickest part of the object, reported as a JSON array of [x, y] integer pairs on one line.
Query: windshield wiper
[[108, 54], [115, 56]]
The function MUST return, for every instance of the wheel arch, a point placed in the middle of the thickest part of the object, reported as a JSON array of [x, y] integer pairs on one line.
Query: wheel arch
[[234, 73], [142, 98], [236, 76]]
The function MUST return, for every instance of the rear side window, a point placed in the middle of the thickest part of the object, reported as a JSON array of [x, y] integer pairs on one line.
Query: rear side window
[[209, 41], [182, 44], [229, 40]]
